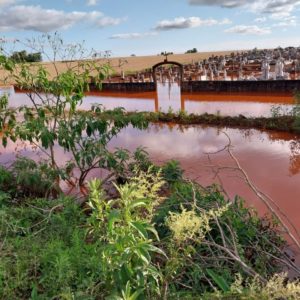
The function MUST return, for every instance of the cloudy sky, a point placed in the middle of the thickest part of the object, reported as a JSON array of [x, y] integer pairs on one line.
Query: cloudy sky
[[147, 27]]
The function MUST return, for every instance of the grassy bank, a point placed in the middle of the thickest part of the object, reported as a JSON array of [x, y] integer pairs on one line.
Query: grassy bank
[[280, 123], [157, 237]]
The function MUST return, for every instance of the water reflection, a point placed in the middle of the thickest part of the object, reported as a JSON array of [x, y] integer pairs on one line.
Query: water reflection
[[295, 157], [267, 159], [169, 96], [270, 159]]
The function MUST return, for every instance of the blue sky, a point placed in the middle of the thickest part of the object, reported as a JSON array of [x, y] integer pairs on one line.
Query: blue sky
[[149, 27]]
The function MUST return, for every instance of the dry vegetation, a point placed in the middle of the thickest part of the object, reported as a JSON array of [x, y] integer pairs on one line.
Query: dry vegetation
[[134, 63], [139, 63]]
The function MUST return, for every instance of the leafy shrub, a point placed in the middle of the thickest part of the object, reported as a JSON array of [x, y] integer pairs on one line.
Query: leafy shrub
[[172, 171], [6, 180], [36, 179], [146, 243], [23, 56], [141, 160], [53, 118], [229, 241], [27, 178], [277, 287], [126, 235], [44, 252]]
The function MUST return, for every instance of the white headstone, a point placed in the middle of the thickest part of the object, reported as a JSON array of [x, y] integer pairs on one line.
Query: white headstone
[[265, 69], [279, 69]]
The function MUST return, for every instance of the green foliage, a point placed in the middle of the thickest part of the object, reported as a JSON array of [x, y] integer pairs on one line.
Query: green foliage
[[151, 240], [296, 125], [296, 113], [127, 238], [23, 56], [44, 253], [6, 180], [183, 115], [194, 50], [278, 111], [172, 171], [277, 287], [27, 178], [7, 120], [53, 120], [128, 247], [219, 280], [141, 160], [198, 258]]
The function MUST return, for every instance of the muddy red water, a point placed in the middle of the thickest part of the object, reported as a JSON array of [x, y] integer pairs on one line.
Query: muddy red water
[[170, 97], [271, 159]]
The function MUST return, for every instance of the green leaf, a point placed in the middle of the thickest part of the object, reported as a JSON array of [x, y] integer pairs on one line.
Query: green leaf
[[41, 113], [89, 130], [113, 217], [140, 227], [4, 141], [219, 280], [137, 203]]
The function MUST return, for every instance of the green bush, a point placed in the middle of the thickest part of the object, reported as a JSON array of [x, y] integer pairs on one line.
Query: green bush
[[296, 125], [27, 178], [184, 243], [198, 265], [45, 253], [172, 171], [127, 238], [6, 180]]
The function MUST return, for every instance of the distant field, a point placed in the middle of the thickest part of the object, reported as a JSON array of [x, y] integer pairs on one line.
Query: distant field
[[139, 63]]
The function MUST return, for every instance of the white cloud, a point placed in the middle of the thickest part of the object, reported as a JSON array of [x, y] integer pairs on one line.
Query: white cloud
[[131, 36], [225, 22], [252, 29], [92, 2], [279, 8], [278, 20], [7, 2], [286, 22], [8, 40], [191, 22], [260, 20], [222, 3], [20, 17], [103, 21]]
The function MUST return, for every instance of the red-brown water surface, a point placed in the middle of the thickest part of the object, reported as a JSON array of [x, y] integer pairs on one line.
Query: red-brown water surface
[[271, 159], [169, 96]]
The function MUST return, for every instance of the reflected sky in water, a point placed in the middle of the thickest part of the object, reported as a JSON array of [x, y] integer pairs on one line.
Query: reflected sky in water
[[271, 159]]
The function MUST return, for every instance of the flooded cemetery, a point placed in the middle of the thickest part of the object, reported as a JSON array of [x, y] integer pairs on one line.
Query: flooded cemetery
[[187, 167], [270, 158]]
